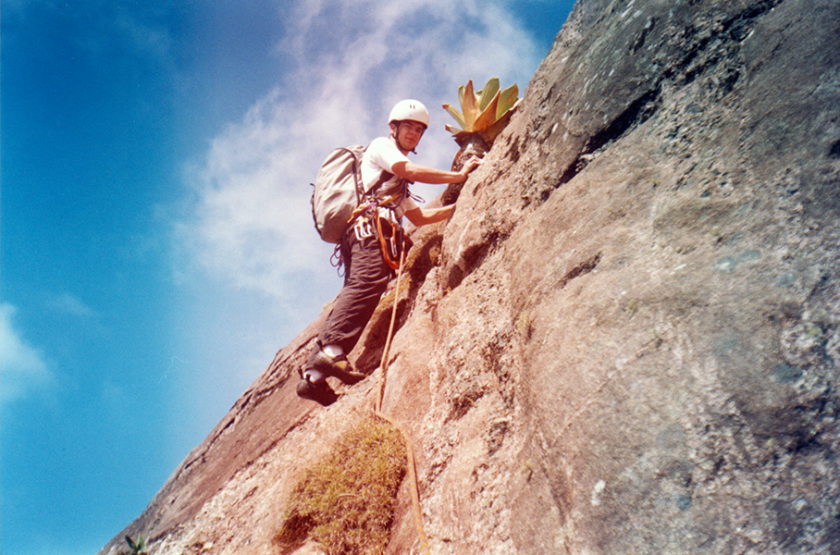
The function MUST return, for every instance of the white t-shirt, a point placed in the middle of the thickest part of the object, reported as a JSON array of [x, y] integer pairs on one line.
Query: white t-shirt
[[381, 156]]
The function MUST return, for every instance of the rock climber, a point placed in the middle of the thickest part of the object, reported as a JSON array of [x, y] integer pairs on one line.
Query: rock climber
[[386, 174]]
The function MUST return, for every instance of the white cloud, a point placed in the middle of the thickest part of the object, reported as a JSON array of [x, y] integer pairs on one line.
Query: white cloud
[[68, 303], [249, 223], [146, 38], [24, 369]]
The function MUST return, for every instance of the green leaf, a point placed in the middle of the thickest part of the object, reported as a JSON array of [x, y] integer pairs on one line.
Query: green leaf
[[488, 116], [508, 98], [470, 106], [489, 135], [487, 94], [458, 116]]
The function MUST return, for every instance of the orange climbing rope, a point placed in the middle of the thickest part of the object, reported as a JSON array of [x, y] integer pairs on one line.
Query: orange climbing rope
[[377, 410]]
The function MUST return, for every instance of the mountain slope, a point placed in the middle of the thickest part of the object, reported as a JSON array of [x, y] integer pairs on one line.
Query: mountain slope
[[626, 338]]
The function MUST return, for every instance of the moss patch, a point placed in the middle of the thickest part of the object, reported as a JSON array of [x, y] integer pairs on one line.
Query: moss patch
[[346, 502]]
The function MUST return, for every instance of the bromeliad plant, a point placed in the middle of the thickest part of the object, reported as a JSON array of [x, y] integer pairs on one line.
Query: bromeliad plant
[[484, 113]]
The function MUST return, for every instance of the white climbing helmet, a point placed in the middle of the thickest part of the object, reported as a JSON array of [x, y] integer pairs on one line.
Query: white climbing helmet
[[412, 110]]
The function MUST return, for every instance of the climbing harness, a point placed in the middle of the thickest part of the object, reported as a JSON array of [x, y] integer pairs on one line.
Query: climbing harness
[[392, 240], [368, 219], [377, 411], [363, 229]]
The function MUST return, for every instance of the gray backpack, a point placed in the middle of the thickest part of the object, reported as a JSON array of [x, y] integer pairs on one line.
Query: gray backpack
[[337, 193]]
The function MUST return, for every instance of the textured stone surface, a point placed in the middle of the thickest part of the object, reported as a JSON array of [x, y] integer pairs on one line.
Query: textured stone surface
[[626, 339]]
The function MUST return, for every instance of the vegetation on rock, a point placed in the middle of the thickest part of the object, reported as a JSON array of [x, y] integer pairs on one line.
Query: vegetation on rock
[[484, 113], [138, 547], [346, 502]]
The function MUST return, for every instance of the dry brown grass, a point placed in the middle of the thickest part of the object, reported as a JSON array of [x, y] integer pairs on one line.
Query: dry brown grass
[[346, 502]]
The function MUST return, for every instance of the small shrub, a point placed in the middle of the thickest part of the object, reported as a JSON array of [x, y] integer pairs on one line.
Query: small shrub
[[138, 547], [346, 502]]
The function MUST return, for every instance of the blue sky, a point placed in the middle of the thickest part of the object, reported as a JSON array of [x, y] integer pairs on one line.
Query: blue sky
[[156, 244]]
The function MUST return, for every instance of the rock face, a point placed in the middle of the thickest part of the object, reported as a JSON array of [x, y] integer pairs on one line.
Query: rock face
[[625, 340]]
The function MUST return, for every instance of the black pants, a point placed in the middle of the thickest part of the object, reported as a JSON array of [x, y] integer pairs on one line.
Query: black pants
[[366, 278]]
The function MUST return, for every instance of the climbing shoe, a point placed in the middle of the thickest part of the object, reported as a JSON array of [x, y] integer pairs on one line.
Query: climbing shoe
[[337, 367], [320, 392]]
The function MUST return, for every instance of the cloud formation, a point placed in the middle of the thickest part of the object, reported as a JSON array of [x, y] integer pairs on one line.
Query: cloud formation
[[24, 370], [67, 303], [249, 222]]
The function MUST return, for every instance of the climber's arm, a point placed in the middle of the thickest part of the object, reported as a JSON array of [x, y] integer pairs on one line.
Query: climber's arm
[[424, 174], [424, 216]]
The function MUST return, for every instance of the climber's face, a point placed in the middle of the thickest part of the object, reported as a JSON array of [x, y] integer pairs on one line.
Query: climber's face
[[408, 134]]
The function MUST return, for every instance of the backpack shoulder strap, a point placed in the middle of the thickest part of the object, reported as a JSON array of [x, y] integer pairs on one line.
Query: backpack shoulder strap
[[357, 151]]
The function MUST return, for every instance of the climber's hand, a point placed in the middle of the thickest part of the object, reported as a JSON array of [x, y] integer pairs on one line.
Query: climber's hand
[[469, 166]]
